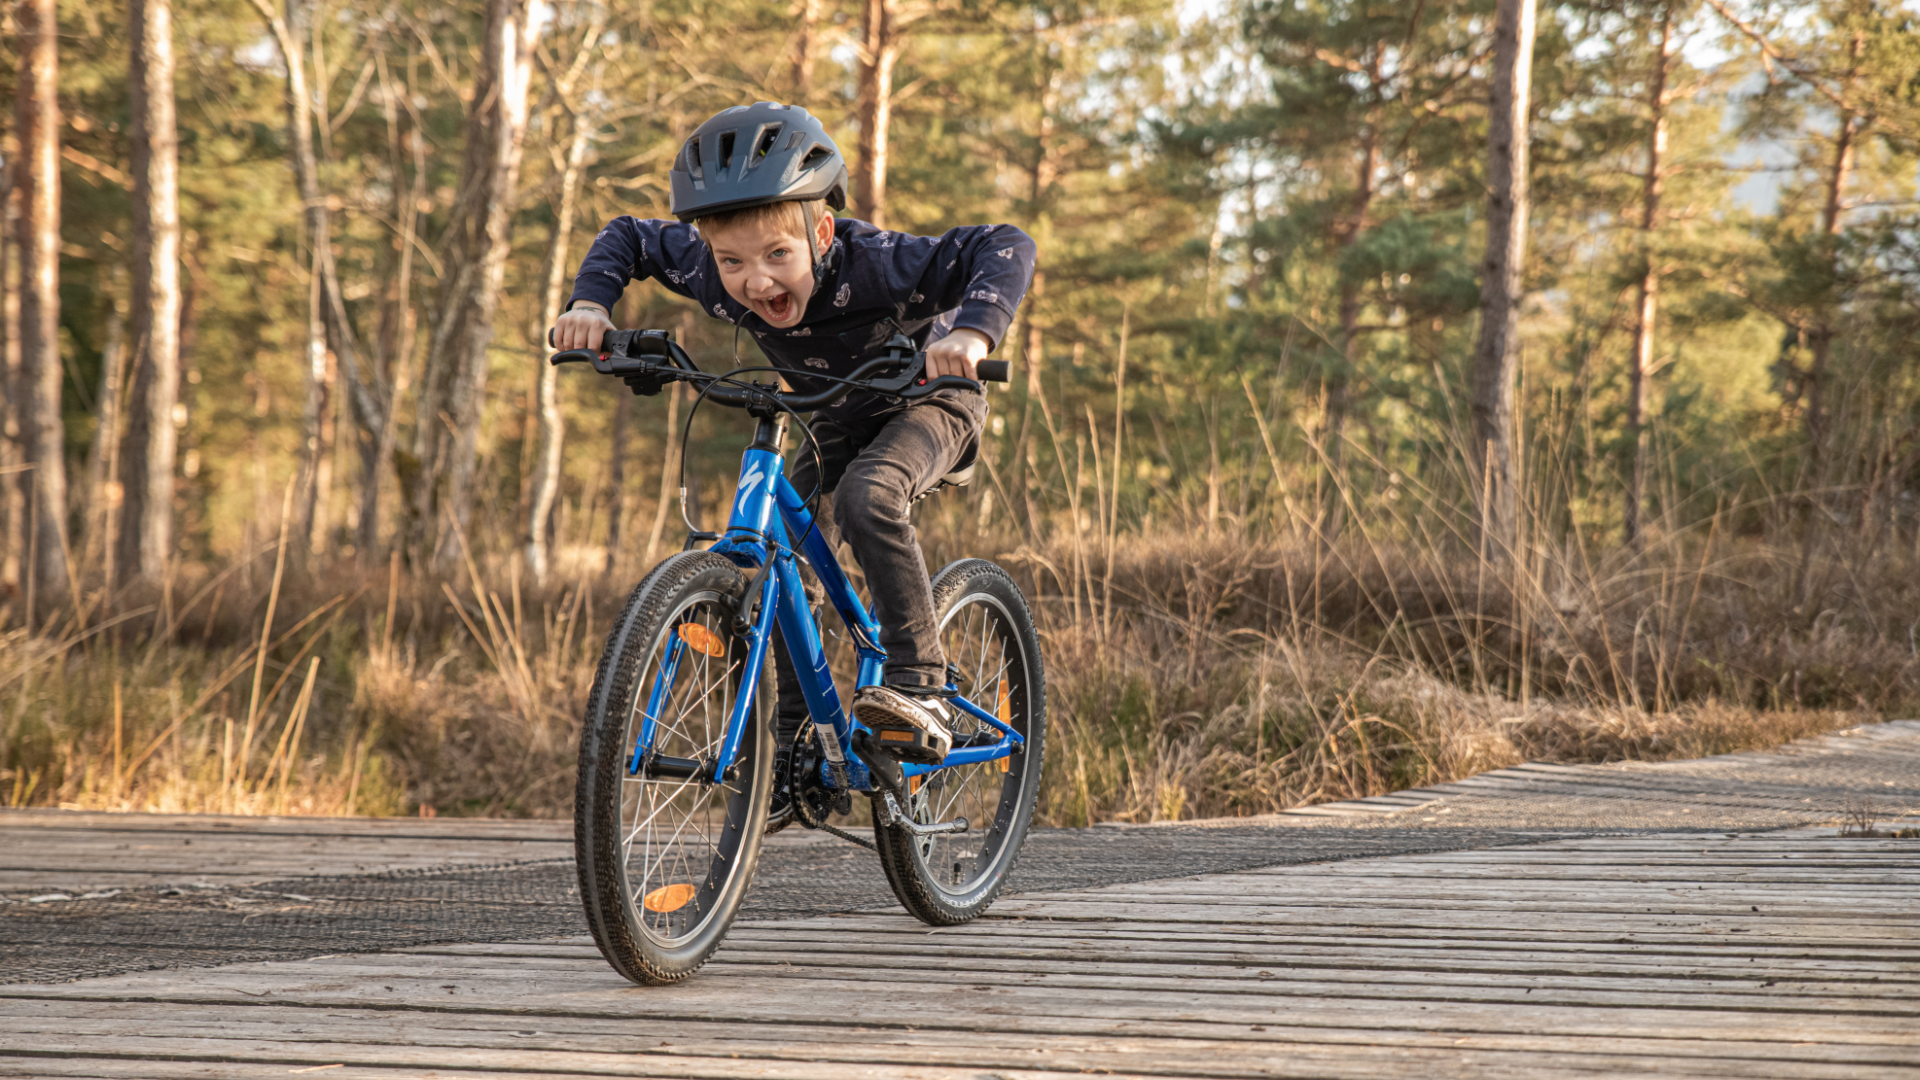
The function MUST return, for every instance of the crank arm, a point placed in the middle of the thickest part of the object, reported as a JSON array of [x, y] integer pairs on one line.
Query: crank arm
[[938, 828]]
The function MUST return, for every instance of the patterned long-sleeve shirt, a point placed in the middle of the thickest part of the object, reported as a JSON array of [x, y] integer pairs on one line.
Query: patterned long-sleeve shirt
[[873, 284]]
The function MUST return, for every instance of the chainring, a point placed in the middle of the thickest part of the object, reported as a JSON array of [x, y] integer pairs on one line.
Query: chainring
[[814, 802]]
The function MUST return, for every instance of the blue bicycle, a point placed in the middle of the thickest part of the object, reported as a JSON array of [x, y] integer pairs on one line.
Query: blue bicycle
[[677, 754]]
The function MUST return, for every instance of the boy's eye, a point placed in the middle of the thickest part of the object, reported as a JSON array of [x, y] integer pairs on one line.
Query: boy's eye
[[779, 253]]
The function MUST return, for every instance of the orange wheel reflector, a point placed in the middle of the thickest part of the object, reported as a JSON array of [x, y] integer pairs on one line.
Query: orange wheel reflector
[[703, 639], [669, 898], [913, 784], [1005, 712]]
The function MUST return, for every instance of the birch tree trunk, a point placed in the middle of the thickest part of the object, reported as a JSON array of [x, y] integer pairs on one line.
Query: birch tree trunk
[[37, 174], [669, 471], [103, 492], [1496, 355], [879, 50], [146, 526], [617, 478], [13, 518], [477, 249], [546, 469], [1641, 356], [327, 322], [393, 344]]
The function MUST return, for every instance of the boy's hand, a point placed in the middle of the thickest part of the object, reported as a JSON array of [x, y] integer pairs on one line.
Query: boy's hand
[[582, 328], [958, 354]]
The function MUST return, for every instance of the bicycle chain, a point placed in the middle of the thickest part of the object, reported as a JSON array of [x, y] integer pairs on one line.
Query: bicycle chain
[[845, 835]]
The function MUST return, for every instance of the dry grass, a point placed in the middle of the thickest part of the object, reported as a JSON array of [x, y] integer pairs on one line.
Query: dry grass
[[378, 696], [1227, 677], [1217, 676]]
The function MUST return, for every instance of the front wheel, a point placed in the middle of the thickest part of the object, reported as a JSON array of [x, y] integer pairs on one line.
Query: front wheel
[[987, 632], [665, 849]]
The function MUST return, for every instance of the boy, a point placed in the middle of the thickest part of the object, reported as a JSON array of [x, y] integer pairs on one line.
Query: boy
[[756, 246]]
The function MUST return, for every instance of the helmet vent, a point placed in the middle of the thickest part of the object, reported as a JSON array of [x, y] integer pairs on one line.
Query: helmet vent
[[764, 145], [815, 156], [726, 150], [690, 159], [793, 140]]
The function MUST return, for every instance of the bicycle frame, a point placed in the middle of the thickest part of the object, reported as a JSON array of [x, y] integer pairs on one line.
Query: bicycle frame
[[766, 513]]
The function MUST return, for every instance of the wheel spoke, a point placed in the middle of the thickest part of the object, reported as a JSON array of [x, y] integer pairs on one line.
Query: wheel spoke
[[979, 638], [672, 829]]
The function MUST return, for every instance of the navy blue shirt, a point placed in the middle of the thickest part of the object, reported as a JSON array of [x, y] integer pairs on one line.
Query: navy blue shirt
[[871, 285]]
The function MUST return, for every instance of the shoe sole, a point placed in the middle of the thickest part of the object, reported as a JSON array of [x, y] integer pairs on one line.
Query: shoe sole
[[899, 739]]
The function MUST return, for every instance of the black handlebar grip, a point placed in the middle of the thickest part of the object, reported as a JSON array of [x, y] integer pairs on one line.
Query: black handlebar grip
[[991, 370]]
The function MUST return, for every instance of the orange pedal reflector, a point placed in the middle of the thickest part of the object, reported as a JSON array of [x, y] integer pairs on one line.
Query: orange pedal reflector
[[703, 639], [669, 897], [895, 735]]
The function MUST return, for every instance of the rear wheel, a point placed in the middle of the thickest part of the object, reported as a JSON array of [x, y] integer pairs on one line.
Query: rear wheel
[[987, 632], [666, 850]]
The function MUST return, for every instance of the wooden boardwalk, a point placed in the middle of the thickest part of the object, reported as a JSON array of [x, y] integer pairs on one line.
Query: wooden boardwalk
[[1792, 954], [1736, 951]]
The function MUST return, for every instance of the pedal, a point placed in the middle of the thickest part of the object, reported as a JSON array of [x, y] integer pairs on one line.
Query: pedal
[[908, 746]]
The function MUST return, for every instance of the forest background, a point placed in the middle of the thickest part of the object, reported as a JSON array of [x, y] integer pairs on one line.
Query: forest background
[[295, 519]]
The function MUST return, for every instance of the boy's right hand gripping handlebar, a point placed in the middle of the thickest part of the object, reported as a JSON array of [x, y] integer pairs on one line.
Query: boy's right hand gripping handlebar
[[648, 359]]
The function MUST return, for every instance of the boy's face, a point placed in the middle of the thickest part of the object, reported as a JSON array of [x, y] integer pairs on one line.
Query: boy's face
[[767, 267]]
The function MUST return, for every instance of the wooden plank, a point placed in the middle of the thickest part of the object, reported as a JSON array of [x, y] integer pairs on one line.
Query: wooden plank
[[1015, 1017], [374, 984], [1680, 961], [919, 1059], [592, 1033]]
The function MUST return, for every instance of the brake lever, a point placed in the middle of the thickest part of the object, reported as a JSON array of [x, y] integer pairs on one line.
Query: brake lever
[[925, 387]]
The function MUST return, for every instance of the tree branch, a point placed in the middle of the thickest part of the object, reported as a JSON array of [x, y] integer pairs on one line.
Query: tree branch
[[1792, 65]]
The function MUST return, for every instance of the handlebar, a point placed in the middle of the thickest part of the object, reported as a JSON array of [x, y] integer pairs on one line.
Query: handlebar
[[654, 354]]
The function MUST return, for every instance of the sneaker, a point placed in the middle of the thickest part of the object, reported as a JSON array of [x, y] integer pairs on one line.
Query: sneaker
[[911, 727]]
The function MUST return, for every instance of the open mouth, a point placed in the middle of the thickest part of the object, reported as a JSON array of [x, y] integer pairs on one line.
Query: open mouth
[[777, 309]]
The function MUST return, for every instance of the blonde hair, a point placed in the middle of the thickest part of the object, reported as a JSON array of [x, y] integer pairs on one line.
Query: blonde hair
[[796, 217]]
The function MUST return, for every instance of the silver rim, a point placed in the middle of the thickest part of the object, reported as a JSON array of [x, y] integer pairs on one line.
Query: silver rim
[[977, 635], [672, 866]]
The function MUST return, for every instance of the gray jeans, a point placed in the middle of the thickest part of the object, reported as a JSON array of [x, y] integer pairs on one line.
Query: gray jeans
[[870, 470]]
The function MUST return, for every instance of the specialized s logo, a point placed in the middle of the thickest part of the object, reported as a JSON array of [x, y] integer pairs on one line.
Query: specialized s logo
[[747, 485]]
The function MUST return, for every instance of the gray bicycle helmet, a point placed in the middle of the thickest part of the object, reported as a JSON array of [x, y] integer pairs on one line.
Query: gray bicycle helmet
[[752, 155]]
